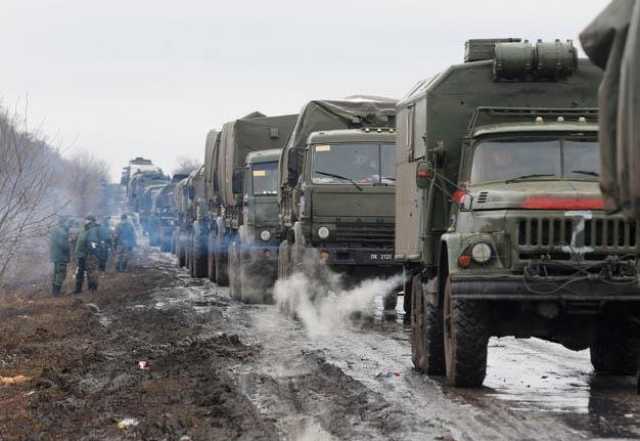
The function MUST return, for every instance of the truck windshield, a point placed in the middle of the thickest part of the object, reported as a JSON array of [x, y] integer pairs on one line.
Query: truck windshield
[[360, 163], [516, 158], [265, 178]]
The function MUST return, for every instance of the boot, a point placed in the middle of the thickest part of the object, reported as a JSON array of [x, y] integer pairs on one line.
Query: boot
[[55, 290], [93, 287], [78, 289]]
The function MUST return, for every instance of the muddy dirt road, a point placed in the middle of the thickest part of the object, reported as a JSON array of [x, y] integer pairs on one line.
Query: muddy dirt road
[[216, 369]]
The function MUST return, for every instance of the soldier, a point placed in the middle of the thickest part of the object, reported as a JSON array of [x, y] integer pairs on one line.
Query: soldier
[[106, 243], [60, 253], [125, 241], [87, 249]]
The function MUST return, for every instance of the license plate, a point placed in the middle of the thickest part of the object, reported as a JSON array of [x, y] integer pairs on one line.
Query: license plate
[[376, 257]]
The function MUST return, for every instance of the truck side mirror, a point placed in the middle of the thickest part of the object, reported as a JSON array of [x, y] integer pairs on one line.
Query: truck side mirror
[[424, 175], [292, 168], [236, 181]]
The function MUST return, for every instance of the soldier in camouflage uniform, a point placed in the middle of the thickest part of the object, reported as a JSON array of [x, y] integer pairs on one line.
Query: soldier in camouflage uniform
[[125, 241], [87, 249], [59, 250], [106, 242]]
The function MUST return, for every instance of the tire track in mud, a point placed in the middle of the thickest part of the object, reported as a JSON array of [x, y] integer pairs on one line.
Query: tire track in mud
[[378, 363], [359, 384]]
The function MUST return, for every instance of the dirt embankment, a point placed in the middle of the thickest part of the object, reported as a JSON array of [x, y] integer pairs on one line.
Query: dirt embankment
[[111, 366]]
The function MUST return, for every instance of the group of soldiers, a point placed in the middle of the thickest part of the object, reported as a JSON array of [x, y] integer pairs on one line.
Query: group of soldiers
[[94, 244]]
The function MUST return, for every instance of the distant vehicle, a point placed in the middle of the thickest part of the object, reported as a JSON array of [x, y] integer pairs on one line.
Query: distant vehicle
[[137, 177], [500, 218], [239, 217], [337, 184], [253, 251], [190, 203]]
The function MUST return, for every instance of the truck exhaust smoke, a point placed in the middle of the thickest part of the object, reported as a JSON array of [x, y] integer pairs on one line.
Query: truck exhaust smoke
[[320, 299]]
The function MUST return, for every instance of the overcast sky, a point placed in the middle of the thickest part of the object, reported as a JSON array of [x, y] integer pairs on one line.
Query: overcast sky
[[151, 77]]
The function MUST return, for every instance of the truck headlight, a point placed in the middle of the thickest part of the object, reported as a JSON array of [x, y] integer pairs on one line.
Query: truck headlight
[[481, 252], [265, 235], [323, 232]]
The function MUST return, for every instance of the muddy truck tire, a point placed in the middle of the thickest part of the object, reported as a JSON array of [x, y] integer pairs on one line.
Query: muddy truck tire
[[406, 298], [235, 284], [466, 337], [211, 259], [180, 251], [427, 332], [390, 301], [199, 257], [615, 347], [222, 265]]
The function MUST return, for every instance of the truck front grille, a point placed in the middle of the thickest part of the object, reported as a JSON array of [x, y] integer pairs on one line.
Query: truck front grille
[[558, 234], [368, 235]]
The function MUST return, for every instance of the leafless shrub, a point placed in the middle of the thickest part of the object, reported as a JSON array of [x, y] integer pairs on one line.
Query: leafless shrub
[[86, 178], [36, 185], [25, 176]]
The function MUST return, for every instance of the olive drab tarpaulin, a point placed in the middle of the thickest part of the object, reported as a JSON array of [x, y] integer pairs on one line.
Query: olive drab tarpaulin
[[347, 113], [240, 137], [612, 41]]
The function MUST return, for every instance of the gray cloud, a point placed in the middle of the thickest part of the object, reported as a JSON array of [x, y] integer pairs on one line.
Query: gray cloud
[[124, 78]]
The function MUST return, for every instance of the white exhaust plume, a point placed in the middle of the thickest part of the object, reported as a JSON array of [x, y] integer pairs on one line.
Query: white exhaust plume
[[321, 302]]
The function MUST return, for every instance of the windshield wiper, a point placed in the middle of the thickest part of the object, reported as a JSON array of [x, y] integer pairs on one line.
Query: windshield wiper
[[344, 178], [535, 175], [586, 172]]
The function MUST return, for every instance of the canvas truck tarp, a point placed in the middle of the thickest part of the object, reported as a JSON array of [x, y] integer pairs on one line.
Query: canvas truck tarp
[[347, 113], [612, 41], [212, 145], [243, 136]]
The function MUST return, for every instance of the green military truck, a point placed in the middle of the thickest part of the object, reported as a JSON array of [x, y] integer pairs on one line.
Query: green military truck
[[196, 247], [253, 252], [231, 211], [180, 231], [337, 184], [164, 214], [189, 197], [499, 213], [148, 215], [137, 177]]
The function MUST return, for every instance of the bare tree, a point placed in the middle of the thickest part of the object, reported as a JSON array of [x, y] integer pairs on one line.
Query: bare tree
[[186, 165], [86, 178], [36, 184], [25, 177]]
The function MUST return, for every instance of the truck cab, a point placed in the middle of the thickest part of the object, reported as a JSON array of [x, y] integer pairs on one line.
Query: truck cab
[[503, 225], [346, 204], [253, 253]]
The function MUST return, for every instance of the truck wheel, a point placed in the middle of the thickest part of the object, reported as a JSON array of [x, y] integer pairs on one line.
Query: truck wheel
[[466, 337], [222, 277], [235, 288], [390, 301], [199, 257], [211, 259], [180, 251], [406, 298], [615, 348], [190, 256], [427, 338]]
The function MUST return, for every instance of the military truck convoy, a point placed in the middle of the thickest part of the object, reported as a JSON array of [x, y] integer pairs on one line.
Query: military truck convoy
[[481, 185]]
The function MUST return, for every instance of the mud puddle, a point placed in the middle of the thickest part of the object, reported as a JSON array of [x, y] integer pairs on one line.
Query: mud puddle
[[358, 382]]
